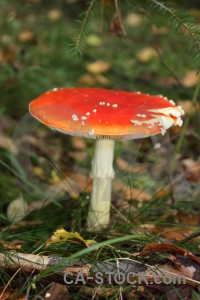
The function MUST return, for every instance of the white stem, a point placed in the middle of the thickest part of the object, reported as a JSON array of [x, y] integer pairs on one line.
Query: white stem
[[102, 174]]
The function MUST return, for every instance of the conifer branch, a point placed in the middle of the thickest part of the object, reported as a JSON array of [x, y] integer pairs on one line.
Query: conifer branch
[[185, 24]]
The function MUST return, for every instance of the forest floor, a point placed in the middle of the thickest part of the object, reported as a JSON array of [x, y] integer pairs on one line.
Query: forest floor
[[45, 176]]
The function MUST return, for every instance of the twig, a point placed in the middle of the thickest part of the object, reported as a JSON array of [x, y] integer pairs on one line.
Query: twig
[[119, 17]]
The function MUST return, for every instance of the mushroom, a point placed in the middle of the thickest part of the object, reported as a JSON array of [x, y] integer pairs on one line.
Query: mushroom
[[106, 116]]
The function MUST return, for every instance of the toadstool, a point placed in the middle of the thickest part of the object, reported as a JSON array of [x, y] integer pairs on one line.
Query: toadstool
[[106, 116]]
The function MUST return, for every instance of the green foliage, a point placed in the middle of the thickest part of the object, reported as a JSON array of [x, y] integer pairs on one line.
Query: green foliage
[[180, 21], [77, 42], [183, 24]]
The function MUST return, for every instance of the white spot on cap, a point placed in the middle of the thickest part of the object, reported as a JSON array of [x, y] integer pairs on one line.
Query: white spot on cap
[[115, 105], [172, 102], [179, 122], [74, 117], [181, 109], [94, 110], [141, 116], [163, 131], [87, 114], [91, 132], [108, 104], [83, 118], [150, 126], [55, 89], [138, 92], [83, 123]]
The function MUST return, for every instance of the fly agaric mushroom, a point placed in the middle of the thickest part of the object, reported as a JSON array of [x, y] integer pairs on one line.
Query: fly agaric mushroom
[[104, 115]]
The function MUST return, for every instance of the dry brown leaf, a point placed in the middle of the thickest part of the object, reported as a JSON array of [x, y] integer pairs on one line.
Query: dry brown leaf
[[87, 80], [26, 36], [98, 67], [78, 155], [125, 166], [188, 106], [168, 81], [9, 54], [158, 30], [78, 143], [176, 234], [130, 193], [9, 294], [146, 54], [17, 209], [102, 80], [133, 20], [81, 180], [167, 248], [7, 143], [189, 220], [14, 245], [1, 56], [57, 292], [191, 169], [54, 14], [190, 79], [28, 223]]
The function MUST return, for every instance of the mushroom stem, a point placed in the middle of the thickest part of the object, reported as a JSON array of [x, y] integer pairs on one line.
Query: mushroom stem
[[102, 174]]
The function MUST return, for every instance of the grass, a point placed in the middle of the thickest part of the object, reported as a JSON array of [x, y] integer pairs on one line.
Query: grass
[[33, 66]]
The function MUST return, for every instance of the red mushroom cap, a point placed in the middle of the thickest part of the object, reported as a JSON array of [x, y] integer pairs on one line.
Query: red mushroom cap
[[100, 113]]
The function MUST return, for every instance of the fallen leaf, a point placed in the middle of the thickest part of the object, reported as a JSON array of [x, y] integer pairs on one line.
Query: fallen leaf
[[130, 192], [26, 223], [7, 143], [9, 294], [78, 155], [14, 245], [168, 248], [188, 106], [87, 80], [78, 143], [54, 14], [61, 235], [102, 80], [191, 169], [93, 40], [17, 209], [190, 79], [176, 234], [8, 54], [146, 54], [189, 220], [57, 292], [158, 30], [125, 166], [168, 81], [133, 20], [26, 37], [99, 66]]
